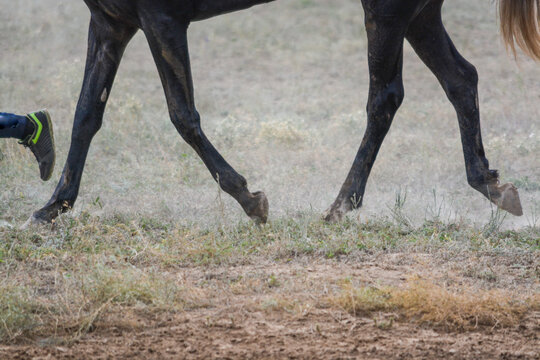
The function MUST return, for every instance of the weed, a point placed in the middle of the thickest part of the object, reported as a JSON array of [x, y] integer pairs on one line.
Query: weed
[[18, 312], [426, 302], [397, 211], [273, 281], [495, 222], [364, 300]]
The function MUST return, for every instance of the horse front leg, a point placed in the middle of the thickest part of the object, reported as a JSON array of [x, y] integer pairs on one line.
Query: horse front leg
[[167, 38], [106, 44], [385, 57]]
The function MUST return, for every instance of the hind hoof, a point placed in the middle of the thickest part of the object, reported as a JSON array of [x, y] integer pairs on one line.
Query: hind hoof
[[257, 209], [506, 197]]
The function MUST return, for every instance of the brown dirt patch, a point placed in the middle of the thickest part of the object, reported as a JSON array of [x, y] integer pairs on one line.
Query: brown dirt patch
[[275, 311], [236, 332]]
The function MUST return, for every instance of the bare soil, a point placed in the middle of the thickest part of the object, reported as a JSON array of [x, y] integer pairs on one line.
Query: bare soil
[[237, 333], [245, 319]]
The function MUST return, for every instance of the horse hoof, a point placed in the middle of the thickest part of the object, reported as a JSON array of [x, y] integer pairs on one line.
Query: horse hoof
[[507, 198], [258, 208], [333, 215]]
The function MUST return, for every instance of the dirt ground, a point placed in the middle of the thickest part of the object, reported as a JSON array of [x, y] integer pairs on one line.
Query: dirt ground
[[248, 322], [238, 333]]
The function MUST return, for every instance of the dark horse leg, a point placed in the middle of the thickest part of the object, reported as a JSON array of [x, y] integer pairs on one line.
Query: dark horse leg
[[167, 37], [385, 57], [459, 80], [106, 44]]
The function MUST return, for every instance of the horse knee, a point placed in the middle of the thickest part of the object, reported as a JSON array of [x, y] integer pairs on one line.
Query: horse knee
[[86, 125], [382, 108], [394, 96]]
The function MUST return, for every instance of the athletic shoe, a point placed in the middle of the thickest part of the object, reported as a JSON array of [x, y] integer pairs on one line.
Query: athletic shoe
[[41, 142]]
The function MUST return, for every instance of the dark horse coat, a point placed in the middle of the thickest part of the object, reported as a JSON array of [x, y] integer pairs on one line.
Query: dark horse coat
[[388, 23]]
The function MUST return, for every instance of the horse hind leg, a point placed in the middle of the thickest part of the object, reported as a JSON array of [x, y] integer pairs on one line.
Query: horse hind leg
[[172, 59], [459, 80]]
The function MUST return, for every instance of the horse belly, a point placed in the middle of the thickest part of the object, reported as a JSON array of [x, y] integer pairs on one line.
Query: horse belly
[[205, 9]]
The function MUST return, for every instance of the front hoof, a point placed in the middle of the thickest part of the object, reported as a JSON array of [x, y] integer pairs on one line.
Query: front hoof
[[506, 197], [337, 211], [257, 209]]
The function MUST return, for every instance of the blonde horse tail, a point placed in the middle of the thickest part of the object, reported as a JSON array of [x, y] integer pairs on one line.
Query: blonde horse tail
[[520, 24]]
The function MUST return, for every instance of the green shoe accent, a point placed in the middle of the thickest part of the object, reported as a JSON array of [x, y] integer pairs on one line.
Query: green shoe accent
[[41, 142], [35, 138]]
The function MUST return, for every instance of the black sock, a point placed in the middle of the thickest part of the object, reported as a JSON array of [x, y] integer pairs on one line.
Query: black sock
[[28, 128]]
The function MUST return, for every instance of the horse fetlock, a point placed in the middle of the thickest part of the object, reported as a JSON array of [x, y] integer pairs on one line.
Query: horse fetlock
[[333, 215], [480, 182]]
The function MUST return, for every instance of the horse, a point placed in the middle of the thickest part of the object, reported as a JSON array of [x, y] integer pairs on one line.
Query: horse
[[388, 24]]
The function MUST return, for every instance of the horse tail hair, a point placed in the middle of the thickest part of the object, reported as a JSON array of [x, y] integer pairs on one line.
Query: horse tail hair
[[520, 24]]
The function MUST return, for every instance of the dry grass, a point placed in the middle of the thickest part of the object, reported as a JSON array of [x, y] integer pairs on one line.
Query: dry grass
[[17, 312], [424, 301], [60, 283], [78, 298]]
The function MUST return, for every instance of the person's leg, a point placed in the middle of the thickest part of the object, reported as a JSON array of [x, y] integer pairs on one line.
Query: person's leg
[[15, 126], [34, 131]]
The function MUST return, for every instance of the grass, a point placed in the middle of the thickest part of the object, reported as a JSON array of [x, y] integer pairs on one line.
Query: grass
[[17, 312], [144, 240], [80, 295], [427, 303], [64, 280]]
